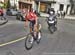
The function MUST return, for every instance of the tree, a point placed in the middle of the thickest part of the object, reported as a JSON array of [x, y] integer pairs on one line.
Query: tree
[[8, 4], [5, 5], [1, 4]]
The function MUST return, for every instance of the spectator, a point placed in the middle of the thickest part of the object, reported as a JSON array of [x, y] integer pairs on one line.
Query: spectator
[[63, 14]]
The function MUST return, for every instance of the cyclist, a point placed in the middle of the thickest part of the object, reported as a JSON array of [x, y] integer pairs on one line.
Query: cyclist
[[32, 18]]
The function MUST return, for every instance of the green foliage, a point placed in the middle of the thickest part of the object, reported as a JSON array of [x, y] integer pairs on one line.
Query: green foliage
[[1, 4], [8, 4], [5, 5]]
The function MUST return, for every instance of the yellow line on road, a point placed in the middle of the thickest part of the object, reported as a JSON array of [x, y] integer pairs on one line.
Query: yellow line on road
[[12, 41]]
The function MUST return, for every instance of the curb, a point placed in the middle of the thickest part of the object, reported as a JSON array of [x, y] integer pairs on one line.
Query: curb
[[4, 23], [58, 18], [66, 19]]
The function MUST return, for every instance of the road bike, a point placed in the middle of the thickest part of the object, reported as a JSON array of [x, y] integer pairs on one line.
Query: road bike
[[33, 37]]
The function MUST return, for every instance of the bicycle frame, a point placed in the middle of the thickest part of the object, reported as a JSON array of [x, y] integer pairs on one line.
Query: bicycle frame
[[38, 28], [32, 37]]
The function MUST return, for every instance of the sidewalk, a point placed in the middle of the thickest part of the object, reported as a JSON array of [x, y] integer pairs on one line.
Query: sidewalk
[[70, 17], [66, 17], [44, 14]]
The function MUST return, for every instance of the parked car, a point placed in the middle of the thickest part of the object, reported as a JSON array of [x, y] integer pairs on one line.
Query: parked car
[[11, 12], [1, 11], [20, 16]]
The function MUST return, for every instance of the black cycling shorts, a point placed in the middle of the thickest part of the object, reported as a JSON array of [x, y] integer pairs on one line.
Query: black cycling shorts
[[32, 23]]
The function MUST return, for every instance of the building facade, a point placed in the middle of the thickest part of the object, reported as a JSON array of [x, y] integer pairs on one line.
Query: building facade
[[44, 5], [63, 5], [72, 7], [1, 3], [5, 0], [1, 0], [58, 5], [14, 3], [26, 4]]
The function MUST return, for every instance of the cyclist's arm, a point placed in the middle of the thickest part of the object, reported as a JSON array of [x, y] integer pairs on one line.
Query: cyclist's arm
[[26, 23], [26, 18], [36, 20], [35, 16]]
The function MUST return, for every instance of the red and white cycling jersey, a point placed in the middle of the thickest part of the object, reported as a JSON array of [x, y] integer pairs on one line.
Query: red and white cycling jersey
[[31, 16]]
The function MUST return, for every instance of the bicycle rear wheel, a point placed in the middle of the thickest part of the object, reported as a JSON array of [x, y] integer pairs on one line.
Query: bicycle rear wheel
[[29, 42]]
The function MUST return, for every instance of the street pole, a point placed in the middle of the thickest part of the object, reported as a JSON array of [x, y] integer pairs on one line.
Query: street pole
[[14, 3], [39, 7]]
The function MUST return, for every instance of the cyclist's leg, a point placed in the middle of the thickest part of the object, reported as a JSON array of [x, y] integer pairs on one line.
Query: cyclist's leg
[[38, 27], [32, 25], [31, 29]]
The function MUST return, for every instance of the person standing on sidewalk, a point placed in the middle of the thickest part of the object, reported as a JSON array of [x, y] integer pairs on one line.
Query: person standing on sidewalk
[[63, 15]]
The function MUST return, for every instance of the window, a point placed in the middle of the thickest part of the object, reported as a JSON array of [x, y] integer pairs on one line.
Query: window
[[42, 7], [61, 7]]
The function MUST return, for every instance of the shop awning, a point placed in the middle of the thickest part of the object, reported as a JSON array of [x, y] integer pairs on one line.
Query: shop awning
[[48, 1], [25, 2]]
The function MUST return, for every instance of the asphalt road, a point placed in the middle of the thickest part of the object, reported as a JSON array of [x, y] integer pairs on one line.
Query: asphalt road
[[62, 42]]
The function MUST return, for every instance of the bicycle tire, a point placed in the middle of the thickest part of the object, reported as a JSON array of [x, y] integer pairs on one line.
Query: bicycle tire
[[29, 36], [38, 40]]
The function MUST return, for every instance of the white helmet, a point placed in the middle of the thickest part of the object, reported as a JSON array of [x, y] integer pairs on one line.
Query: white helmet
[[51, 12], [33, 10]]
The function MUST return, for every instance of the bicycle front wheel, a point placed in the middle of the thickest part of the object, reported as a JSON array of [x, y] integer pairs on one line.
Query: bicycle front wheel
[[39, 35], [29, 42]]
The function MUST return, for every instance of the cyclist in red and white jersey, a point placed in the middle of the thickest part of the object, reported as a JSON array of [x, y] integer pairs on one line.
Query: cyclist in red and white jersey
[[32, 18]]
